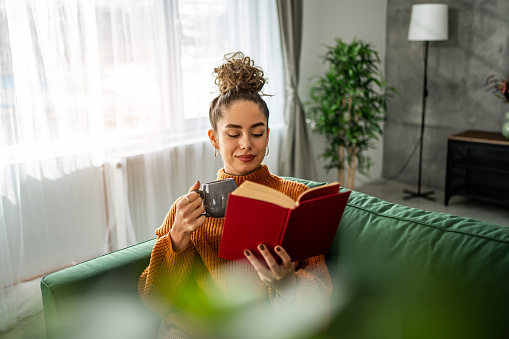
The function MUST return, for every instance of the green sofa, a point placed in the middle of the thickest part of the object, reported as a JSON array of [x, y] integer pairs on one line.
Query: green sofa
[[399, 272]]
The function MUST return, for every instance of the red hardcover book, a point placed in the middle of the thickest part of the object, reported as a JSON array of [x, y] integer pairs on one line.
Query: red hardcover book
[[257, 214]]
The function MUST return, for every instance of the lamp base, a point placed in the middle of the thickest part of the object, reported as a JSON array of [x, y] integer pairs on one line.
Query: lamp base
[[419, 194]]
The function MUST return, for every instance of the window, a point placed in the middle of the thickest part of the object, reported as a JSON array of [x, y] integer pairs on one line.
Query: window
[[89, 75], [208, 29]]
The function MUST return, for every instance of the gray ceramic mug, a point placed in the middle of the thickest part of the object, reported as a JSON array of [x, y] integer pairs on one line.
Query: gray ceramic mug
[[215, 196]]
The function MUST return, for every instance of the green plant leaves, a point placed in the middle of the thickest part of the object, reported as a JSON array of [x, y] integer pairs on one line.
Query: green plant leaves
[[348, 103]]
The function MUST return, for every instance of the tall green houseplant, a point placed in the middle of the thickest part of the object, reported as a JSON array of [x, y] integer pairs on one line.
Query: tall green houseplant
[[348, 105]]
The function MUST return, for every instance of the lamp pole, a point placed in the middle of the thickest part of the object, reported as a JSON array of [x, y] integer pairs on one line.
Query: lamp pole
[[423, 117]]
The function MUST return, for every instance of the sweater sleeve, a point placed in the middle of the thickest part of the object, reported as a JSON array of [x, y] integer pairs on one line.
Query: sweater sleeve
[[313, 279], [167, 272]]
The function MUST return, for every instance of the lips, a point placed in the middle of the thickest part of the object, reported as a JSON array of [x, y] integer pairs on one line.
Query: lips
[[246, 157]]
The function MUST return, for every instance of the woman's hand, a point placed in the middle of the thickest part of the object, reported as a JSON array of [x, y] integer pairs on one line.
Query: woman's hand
[[188, 218], [280, 277]]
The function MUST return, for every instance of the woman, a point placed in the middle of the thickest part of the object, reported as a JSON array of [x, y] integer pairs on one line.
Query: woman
[[186, 251]]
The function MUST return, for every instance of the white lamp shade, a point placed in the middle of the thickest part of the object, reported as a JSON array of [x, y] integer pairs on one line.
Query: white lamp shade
[[428, 22]]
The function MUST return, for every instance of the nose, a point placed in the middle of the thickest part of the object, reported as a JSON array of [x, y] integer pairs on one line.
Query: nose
[[245, 143]]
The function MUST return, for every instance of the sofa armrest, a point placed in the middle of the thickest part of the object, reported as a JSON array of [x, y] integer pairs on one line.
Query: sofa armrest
[[79, 299]]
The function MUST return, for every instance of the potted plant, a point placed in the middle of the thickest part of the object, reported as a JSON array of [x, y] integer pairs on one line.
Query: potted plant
[[500, 88], [348, 105]]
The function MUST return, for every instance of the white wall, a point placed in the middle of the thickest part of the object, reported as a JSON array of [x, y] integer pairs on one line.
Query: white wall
[[325, 20]]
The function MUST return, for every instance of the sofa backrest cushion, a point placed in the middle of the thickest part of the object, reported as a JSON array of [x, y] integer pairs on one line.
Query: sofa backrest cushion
[[425, 264]]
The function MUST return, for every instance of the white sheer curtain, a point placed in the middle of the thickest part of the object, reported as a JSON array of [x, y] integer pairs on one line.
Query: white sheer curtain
[[103, 122]]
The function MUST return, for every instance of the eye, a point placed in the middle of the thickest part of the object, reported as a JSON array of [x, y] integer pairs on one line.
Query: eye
[[257, 135], [233, 135]]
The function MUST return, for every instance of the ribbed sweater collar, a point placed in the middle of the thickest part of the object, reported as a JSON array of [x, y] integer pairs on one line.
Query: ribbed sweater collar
[[261, 176]]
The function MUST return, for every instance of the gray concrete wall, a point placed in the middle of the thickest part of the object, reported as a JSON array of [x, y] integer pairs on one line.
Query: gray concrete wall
[[478, 46]]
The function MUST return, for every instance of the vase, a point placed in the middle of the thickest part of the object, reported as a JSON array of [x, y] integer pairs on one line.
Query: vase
[[505, 127]]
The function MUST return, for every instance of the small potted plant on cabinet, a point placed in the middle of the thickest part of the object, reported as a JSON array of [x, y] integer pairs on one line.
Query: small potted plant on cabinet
[[348, 105]]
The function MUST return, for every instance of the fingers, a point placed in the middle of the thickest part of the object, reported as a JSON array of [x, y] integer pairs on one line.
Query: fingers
[[189, 215], [256, 263], [196, 215], [285, 257], [280, 277], [286, 260], [272, 270], [191, 202], [191, 197], [196, 186], [269, 259]]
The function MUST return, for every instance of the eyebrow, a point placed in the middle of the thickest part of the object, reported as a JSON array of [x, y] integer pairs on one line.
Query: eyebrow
[[240, 127]]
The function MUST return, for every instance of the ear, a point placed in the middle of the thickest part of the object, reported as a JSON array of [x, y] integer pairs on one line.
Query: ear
[[213, 138]]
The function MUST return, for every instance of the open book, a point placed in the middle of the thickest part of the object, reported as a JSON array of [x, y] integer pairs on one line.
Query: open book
[[257, 214]]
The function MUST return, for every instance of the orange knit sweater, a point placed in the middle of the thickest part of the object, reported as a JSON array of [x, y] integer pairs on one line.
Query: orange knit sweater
[[162, 282]]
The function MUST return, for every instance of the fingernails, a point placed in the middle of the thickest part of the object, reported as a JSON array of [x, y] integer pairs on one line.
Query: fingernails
[[262, 247], [278, 248], [246, 252]]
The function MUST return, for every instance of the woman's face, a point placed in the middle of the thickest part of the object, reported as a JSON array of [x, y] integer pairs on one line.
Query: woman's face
[[242, 137]]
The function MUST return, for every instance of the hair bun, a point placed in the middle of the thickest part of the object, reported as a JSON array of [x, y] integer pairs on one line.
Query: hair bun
[[238, 72]]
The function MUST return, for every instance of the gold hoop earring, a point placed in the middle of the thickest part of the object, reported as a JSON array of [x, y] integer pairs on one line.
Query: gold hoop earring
[[216, 152], [268, 150]]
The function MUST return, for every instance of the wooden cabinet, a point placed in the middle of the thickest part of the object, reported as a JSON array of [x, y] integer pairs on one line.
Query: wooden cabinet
[[478, 167]]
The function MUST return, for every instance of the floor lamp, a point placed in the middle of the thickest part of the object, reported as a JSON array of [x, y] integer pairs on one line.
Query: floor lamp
[[428, 22]]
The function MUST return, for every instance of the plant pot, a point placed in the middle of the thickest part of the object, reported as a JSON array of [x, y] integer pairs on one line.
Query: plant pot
[[505, 127]]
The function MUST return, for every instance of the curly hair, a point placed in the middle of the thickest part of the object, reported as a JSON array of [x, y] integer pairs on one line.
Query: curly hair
[[238, 79]]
